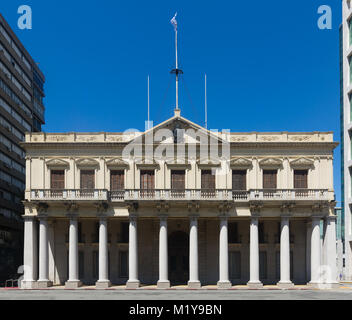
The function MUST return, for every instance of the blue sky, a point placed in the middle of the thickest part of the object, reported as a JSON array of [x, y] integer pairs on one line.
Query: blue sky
[[269, 67]]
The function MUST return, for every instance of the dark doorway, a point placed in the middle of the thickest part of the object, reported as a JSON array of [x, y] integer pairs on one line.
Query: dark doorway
[[178, 258]]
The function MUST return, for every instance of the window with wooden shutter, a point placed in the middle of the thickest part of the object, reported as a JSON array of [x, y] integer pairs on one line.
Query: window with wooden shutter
[[239, 182], [208, 183], [87, 179], [117, 180], [177, 183], [147, 183], [301, 179], [57, 181], [269, 179]]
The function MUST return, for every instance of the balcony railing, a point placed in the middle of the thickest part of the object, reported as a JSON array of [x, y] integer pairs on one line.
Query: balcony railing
[[181, 195], [70, 194]]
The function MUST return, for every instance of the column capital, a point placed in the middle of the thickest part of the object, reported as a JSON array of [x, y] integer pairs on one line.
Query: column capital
[[71, 207], [223, 216], [102, 217], [193, 217], [133, 216], [29, 218], [101, 207], [43, 217], [317, 216], [72, 216], [163, 216], [42, 208], [331, 218]]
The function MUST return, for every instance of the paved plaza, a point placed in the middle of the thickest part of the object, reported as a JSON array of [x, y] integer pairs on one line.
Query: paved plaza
[[179, 293]]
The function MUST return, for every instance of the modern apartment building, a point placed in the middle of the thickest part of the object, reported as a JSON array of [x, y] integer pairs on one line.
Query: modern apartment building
[[21, 111]]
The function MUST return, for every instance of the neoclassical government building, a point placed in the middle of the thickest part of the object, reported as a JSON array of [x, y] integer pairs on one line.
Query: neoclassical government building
[[179, 205]]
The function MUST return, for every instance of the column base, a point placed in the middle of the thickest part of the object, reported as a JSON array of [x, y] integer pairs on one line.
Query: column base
[[43, 284], [73, 284], [132, 284], [29, 284], [254, 285], [285, 285], [194, 285], [224, 285], [163, 284], [104, 284]]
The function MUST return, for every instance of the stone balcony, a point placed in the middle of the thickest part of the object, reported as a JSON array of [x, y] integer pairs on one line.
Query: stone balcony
[[182, 195]]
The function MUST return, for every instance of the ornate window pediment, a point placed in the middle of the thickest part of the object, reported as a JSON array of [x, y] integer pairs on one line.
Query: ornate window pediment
[[302, 163], [271, 163], [208, 163], [117, 163], [57, 163], [147, 163], [240, 163], [87, 162]]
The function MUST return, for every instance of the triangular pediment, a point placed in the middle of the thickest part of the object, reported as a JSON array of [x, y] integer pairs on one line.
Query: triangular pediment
[[240, 163], [57, 163], [180, 130], [270, 163], [87, 162], [302, 163], [117, 163]]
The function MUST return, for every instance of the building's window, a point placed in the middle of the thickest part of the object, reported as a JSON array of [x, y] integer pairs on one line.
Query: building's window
[[235, 265], [301, 179], [263, 265], [208, 180], [233, 232], [81, 264], [87, 179], [178, 179], [124, 232], [80, 234], [57, 179], [117, 180], [239, 180], [147, 183], [123, 264], [95, 236], [269, 179]]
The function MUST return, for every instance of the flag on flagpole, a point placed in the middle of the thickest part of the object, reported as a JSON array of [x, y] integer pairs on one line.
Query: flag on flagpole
[[174, 22]]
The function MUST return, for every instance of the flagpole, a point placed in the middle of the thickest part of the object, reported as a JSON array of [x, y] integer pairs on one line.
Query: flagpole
[[148, 105], [176, 70], [206, 104]]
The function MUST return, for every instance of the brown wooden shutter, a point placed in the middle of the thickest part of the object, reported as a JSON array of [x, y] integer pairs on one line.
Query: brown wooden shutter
[[147, 180], [239, 180], [270, 179], [87, 179], [117, 180], [208, 180], [178, 179], [301, 179], [57, 181]]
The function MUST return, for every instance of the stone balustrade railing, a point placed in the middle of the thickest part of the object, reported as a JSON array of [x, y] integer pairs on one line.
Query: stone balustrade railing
[[184, 195]]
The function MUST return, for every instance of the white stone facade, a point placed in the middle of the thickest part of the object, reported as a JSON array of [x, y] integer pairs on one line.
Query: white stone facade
[[192, 236]]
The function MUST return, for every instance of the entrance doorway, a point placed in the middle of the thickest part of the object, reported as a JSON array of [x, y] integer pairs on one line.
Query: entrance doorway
[[178, 258]]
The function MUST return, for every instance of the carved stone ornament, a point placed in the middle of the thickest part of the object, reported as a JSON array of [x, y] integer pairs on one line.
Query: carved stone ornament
[[268, 138], [302, 163], [117, 162], [299, 138], [57, 163], [239, 138], [270, 163], [86, 162], [241, 163]]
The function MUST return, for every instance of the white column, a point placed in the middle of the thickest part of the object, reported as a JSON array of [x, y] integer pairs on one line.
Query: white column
[[224, 282], [331, 253], [103, 281], [30, 253], [315, 253], [133, 281], [254, 281], [73, 282], [285, 281], [43, 281], [193, 282], [163, 282]]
